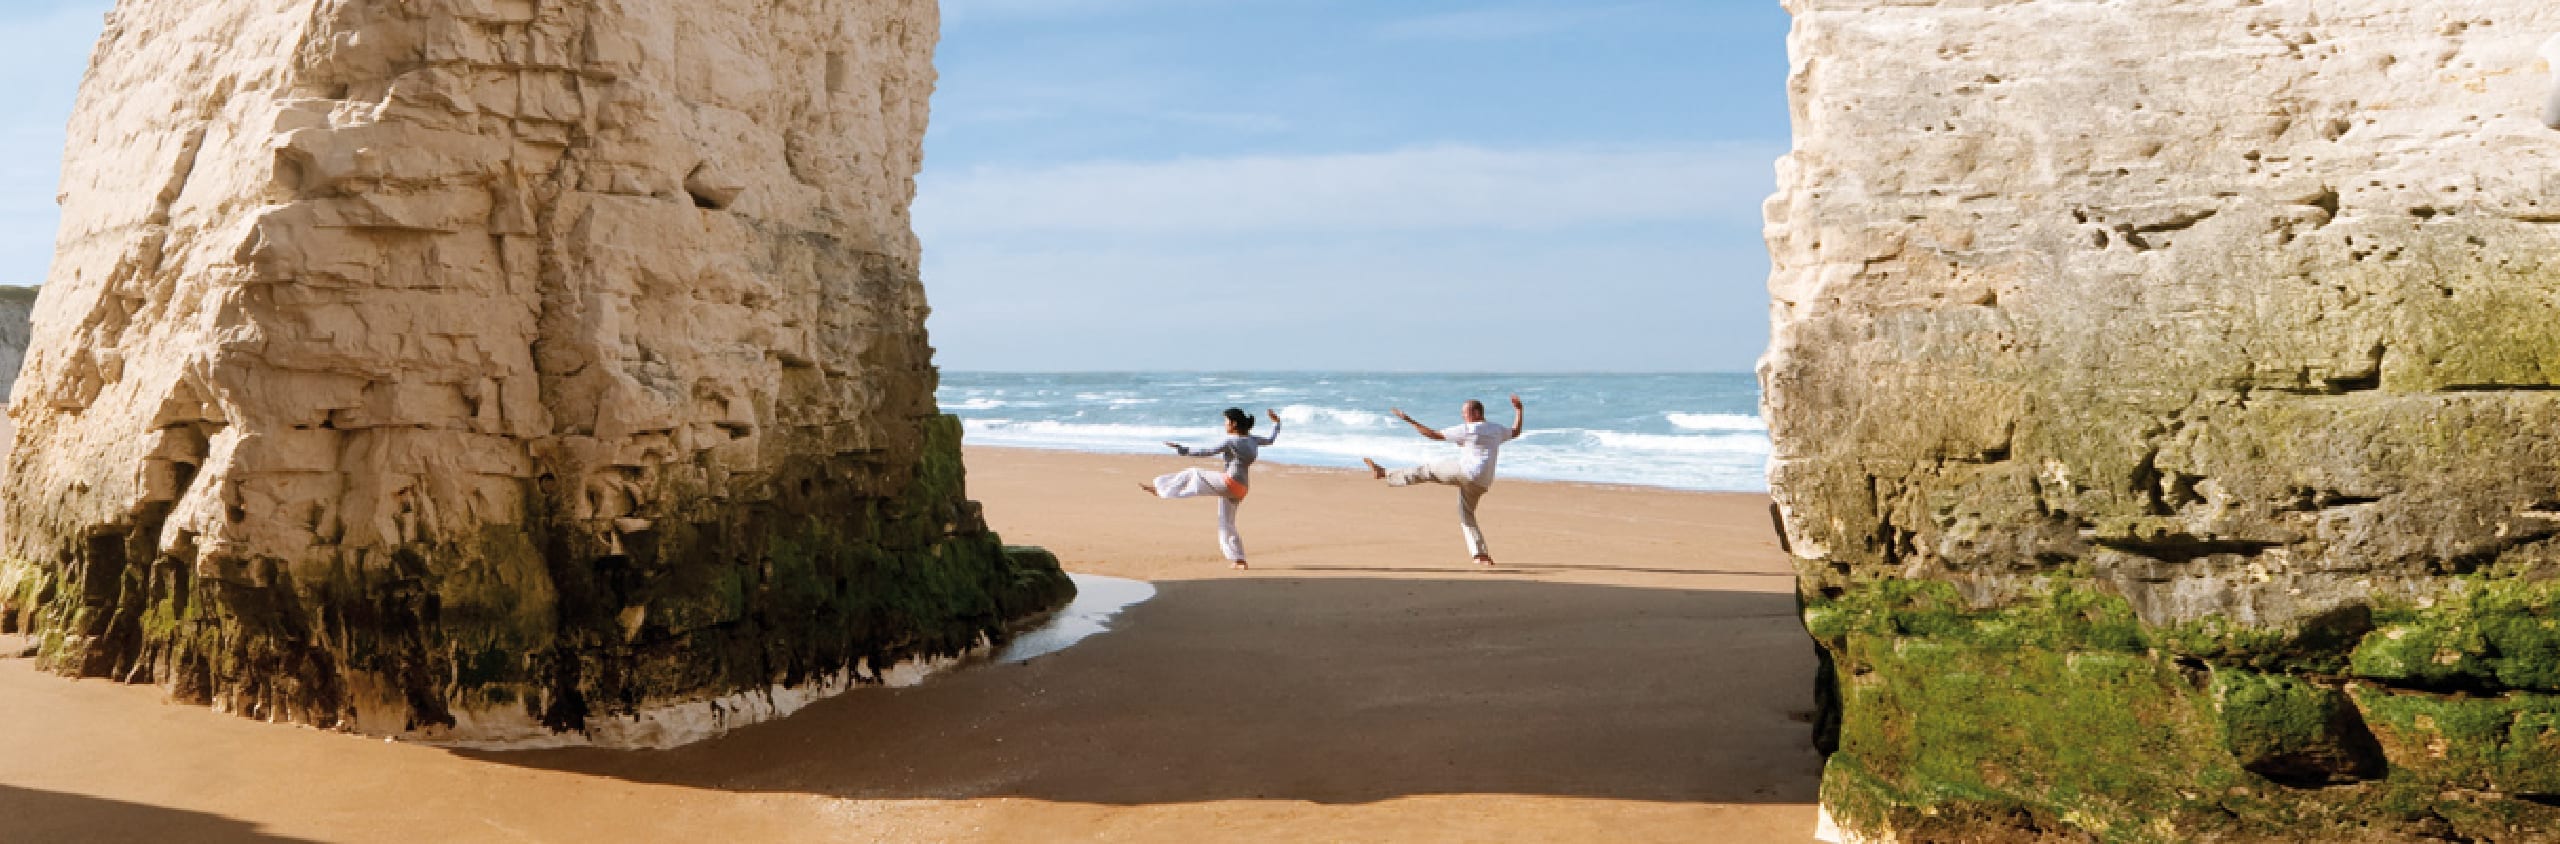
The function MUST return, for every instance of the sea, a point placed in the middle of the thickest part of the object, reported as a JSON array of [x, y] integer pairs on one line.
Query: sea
[[1676, 431]]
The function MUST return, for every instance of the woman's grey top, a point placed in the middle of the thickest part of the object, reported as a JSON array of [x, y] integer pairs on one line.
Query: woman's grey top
[[1239, 451]]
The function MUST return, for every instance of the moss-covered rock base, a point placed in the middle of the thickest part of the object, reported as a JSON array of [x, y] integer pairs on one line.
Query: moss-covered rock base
[[2062, 716], [2162, 401], [682, 630]]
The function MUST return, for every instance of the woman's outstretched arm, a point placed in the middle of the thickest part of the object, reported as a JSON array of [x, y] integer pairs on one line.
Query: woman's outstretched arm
[[1519, 417], [1213, 453]]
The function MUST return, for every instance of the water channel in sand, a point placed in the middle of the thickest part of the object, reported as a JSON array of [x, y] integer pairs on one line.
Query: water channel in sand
[[1098, 599]]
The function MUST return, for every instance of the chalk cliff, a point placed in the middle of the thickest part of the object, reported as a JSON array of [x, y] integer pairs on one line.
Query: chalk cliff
[[2165, 401], [494, 370]]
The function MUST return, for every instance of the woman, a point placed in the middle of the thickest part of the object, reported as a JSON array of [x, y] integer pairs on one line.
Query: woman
[[1239, 450]]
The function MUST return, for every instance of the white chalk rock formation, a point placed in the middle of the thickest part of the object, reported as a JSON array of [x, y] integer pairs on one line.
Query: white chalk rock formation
[[2163, 396], [478, 368]]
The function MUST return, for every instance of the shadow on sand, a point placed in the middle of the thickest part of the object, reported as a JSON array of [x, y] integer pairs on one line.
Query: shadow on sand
[[1542, 569], [30, 815], [1328, 690]]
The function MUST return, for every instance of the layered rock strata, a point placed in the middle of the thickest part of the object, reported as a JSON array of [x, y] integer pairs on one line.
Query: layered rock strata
[[496, 369], [2167, 408]]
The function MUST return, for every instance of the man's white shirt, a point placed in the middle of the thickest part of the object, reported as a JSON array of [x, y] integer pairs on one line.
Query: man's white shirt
[[1479, 445]]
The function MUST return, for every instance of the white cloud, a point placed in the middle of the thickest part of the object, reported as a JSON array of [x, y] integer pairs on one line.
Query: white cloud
[[1426, 188], [1431, 301]]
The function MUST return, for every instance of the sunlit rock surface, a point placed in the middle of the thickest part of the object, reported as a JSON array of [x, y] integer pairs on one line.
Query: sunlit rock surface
[[2164, 397], [493, 370]]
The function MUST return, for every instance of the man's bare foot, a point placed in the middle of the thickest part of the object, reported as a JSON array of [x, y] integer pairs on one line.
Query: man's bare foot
[[1375, 470], [1484, 560], [1150, 488], [1239, 566]]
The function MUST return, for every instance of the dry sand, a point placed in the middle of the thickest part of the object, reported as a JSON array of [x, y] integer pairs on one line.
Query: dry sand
[[1633, 672]]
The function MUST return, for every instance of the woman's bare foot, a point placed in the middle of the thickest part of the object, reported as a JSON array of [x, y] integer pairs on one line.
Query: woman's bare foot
[[1484, 560], [1375, 470], [1150, 488], [1239, 566]]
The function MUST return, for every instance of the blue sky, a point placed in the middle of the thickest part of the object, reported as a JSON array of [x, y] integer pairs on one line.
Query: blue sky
[[1543, 185]]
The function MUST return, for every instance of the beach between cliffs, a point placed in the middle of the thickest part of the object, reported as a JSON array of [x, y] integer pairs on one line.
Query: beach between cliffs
[[1634, 671]]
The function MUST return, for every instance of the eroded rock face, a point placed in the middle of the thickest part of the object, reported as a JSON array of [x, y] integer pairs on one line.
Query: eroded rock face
[[479, 369], [2164, 405]]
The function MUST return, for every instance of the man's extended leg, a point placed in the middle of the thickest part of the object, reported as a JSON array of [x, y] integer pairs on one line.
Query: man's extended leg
[[1468, 495], [1436, 473]]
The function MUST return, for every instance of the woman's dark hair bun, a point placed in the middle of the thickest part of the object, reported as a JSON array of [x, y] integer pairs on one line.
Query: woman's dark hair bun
[[1243, 421]]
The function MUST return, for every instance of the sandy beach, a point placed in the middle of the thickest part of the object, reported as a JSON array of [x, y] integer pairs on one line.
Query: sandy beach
[[1632, 672]]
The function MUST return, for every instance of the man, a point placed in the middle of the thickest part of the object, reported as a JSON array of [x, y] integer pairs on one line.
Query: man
[[1479, 443]]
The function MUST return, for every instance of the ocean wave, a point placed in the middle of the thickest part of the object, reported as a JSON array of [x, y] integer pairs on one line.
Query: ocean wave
[[1700, 471], [1348, 449], [1591, 429], [1048, 429], [1731, 461], [1716, 422], [1719, 443], [1309, 414]]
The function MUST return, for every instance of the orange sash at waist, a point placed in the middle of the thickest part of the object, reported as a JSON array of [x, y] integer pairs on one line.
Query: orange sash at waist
[[1235, 488]]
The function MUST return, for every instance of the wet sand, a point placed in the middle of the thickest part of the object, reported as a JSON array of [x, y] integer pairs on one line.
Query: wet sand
[[1632, 672]]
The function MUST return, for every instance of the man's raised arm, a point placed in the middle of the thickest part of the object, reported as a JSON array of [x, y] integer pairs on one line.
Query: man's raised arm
[[1418, 427], [1519, 417]]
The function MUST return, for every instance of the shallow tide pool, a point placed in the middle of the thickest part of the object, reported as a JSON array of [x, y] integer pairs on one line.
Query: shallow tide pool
[[1098, 599]]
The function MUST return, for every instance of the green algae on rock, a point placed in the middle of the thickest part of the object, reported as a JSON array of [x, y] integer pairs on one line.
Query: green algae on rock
[[2059, 714], [2162, 400], [497, 372]]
